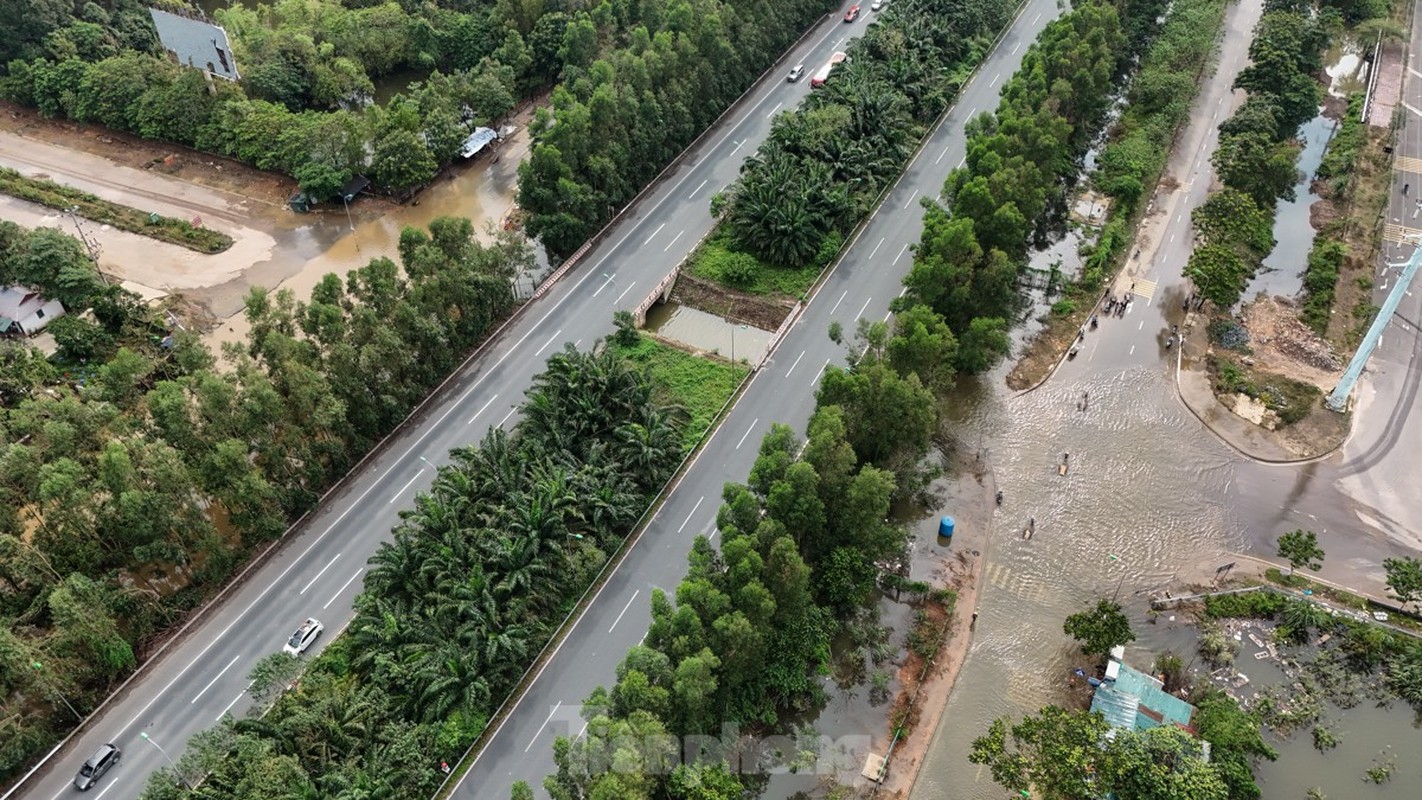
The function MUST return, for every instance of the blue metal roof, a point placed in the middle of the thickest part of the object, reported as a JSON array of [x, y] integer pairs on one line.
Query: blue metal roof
[[1137, 700]]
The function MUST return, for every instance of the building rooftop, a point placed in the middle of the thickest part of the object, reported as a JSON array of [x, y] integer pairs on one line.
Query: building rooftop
[[1136, 700]]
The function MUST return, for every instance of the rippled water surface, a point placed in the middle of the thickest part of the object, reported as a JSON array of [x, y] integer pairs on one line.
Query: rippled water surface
[[1146, 500]]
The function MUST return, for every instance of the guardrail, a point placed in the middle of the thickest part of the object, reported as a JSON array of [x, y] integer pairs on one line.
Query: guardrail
[[660, 292]]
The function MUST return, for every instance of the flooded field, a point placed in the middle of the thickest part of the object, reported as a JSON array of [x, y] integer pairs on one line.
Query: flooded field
[[1282, 273], [707, 332]]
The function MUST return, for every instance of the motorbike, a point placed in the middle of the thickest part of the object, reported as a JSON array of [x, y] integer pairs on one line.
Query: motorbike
[[1093, 322]]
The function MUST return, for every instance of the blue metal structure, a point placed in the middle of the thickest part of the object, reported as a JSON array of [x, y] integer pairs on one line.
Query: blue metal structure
[[1338, 399]]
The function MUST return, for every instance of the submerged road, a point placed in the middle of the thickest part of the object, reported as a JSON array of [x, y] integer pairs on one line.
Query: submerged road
[[203, 675], [1152, 498]]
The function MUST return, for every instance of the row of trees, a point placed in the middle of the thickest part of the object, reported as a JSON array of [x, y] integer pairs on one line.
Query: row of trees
[[115, 474], [322, 54], [801, 548], [303, 106], [1256, 156], [400, 145], [1020, 161], [802, 545], [650, 92], [823, 164], [454, 609], [1158, 103]]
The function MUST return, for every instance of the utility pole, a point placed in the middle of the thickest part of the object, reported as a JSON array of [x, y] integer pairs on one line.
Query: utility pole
[[89, 243], [145, 737], [38, 667]]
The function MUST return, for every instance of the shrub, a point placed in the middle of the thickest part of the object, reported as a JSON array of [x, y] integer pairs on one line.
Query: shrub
[[1319, 281], [1229, 334], [1261, 604], [1063, 308], [1230, 378], [739, 270]]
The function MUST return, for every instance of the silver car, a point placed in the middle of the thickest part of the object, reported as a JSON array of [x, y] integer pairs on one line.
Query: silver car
[[100, 762], [795, 73]]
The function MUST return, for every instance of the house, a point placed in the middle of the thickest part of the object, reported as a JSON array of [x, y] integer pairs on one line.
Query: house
[[477, 141], [1131, 699], [25, 312]]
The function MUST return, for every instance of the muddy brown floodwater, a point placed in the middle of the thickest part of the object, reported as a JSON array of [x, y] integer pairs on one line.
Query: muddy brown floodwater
[[332, 242], [1144, 504]]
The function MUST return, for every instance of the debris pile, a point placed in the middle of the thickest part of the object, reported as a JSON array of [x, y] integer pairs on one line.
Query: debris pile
[[1273, 323]]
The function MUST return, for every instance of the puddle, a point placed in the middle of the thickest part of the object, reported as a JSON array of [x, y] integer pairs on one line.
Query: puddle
[[700, 330], [1347, 74], [1282, 273]]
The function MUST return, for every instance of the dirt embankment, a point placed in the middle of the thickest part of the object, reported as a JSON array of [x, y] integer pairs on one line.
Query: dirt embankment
[[1282, 344], [754, 310], [923, 698], [162, 157]]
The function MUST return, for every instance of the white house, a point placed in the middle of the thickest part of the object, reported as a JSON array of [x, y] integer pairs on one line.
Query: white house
[[25, 311]]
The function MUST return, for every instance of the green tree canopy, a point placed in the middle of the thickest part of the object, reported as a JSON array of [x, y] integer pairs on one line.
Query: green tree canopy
[[1099, 629]]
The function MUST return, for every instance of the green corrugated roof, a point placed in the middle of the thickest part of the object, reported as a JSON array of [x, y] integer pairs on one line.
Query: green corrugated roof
[[1118, 708], [1136, 700]]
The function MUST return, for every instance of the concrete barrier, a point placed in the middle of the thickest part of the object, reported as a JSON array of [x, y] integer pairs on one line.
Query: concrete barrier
[[659, 294]]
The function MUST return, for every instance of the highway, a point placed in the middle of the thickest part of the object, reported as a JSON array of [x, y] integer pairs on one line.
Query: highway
[[192, 684], [861, 285]]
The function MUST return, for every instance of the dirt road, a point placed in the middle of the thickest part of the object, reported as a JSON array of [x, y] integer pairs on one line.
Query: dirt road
[[153, 268], [273, 247]]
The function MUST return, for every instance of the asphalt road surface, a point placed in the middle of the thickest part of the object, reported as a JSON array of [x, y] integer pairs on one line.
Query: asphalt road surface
[[193, 684], [860, 286], [1359, 499]]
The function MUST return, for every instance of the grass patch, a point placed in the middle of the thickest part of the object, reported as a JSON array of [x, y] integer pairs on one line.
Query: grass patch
[[718, 260], [126, 218], [1292, 400], [699, 385]]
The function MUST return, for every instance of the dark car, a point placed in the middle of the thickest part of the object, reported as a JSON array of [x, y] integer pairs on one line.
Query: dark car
[[852, 14], [100, 762]]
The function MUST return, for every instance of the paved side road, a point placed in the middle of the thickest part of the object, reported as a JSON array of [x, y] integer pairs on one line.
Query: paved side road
[[860, 286], [198, 679]]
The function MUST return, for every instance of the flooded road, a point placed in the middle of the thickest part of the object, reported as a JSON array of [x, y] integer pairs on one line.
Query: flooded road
[[333, 241], [1146, 502]]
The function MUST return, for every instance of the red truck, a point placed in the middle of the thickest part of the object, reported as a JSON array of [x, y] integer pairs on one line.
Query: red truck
[[819, 78]]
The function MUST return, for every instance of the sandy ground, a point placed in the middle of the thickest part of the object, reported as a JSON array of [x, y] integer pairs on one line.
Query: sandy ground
[[152, 268], [961, 568], [159, 267], [274, 247], [1282, 344]]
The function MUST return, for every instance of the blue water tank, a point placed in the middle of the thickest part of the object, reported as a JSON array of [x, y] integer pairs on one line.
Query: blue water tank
[[945, 527]]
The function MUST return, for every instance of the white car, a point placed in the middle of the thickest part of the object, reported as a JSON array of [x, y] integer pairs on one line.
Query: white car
[[304, 637], [876, 5]]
